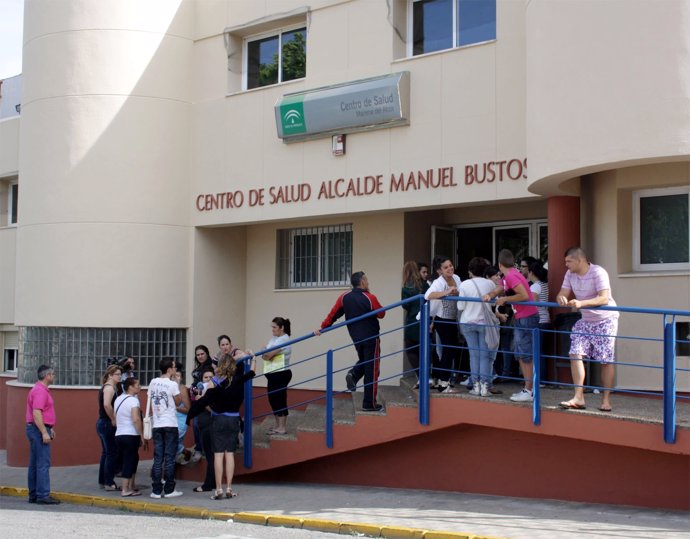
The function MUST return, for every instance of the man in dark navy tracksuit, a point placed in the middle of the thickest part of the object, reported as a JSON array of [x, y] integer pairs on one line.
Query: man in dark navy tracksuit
[[364, 334]]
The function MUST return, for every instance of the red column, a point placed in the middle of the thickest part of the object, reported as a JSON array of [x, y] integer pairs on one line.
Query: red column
[[564, 231]]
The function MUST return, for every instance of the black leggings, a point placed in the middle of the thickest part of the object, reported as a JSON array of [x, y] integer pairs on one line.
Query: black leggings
[[277, 391], [128, 446], [447, 330]]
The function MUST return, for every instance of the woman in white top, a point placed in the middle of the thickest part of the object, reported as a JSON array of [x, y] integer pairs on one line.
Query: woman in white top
[[473, 326], [539, 276], [444, 313], [130, 434], [278, 373]]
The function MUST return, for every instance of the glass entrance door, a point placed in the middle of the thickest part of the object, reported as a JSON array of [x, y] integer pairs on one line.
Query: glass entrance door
[[514, 237]]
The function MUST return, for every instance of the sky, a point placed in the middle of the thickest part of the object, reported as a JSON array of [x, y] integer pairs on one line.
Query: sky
[[11, 29]]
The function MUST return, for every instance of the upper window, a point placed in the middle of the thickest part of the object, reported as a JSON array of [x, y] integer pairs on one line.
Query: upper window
[[444, 24], [11, 351], [661, 230], [276, 58], [314, 257], [13, 200]]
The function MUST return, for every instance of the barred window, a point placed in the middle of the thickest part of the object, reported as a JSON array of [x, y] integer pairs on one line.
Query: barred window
[[80, 356], [315, 257]]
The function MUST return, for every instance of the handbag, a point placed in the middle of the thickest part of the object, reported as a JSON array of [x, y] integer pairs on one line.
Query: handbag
[[148, 424], [492, 333]]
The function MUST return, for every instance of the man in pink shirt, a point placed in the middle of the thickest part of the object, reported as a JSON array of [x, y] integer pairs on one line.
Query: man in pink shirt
[[526, 318], [40, 424], [594, 335]]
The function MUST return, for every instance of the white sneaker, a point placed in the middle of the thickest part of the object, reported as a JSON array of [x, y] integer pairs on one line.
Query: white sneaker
[[433, 383], [156, 496], [484, 389], [522, 396], [475, 389], [173, 494], [442, 386]]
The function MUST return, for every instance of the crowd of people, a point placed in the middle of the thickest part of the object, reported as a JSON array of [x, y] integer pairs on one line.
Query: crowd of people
[[212, 403], [458, 325]]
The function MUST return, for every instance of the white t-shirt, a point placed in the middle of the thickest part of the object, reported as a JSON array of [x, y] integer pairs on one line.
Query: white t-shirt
[[473, 312], [123, 407], [443, 308], [163, 392], [541, 291]]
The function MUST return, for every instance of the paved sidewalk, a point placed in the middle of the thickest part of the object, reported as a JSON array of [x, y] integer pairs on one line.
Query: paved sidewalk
[[372, 511]]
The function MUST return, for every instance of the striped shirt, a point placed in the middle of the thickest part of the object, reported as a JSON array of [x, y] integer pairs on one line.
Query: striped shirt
[[588, 286]]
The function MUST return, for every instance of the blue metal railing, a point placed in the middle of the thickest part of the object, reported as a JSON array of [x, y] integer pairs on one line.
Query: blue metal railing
[[669, 367]]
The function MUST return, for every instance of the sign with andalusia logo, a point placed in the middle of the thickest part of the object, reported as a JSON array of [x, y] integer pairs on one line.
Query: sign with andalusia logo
[[363, 105], [292, 115]]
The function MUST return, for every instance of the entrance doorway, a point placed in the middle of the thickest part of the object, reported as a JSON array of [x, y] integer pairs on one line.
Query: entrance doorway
[[461, 243]]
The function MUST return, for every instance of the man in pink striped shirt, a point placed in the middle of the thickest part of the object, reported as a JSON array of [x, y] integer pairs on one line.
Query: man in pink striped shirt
[[594, 335]]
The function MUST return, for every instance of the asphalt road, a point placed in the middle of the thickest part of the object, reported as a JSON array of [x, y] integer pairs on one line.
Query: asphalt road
[[20, 519]]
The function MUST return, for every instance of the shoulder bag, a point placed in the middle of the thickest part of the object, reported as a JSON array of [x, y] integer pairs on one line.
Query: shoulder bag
[[148, 425]]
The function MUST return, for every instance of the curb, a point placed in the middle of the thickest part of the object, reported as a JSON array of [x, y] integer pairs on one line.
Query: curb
[[259, 519]]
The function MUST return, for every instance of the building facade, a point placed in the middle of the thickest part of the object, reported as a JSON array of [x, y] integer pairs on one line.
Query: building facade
[[149, 204]]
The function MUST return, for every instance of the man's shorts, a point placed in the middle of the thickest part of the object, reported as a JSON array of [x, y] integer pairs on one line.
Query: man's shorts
[[596, 340], [522, 340]]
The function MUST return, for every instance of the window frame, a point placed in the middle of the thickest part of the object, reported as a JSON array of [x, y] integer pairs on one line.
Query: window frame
[[288, 282], [258, 37], [636, 239], [455, 33]]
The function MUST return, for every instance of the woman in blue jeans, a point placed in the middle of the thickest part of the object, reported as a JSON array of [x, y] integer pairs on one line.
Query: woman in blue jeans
[[473, 326], [105, 426]]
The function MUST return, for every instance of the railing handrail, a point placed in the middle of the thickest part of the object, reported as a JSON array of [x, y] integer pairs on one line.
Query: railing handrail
[[669, 365], [420, 297]]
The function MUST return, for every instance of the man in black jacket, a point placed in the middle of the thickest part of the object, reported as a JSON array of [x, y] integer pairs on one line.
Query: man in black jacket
[[364, 334]]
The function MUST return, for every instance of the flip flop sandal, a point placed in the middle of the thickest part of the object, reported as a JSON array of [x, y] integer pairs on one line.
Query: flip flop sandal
[[111, 488], [605, 409], [201, 489], [567, 405], [133, 493]]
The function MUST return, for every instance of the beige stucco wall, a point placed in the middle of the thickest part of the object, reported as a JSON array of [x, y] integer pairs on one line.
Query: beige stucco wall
[[604, 86], [607, 237], [378, 251], [8, 242], [104, 238], [467, 107], [9, 149], [219, 291]]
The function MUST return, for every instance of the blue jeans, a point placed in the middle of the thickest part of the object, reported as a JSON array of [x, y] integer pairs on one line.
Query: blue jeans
[[523, 337], [164, 450], [481, 358], [106, 469], [39, 464], [181, 431]]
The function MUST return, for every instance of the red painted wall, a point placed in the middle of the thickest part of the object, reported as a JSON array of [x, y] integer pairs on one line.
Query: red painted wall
[[493, 461], [76, 441], [3, 408]]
